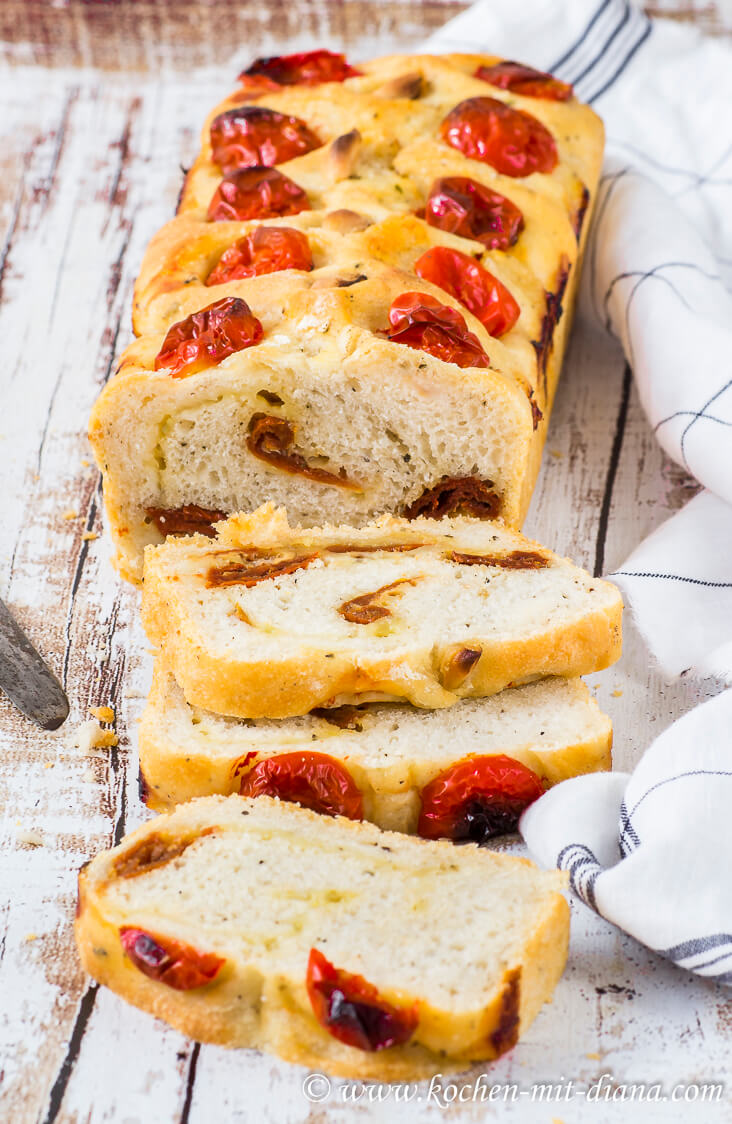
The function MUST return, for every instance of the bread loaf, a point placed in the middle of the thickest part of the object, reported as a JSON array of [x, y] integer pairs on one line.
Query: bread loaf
[[333, 944], [272, 621], [383, 754], [326, 405]]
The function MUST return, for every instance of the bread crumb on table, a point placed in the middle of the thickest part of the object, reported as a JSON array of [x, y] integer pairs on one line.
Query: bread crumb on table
[[616, 693], [90, 736], [103, 713], [89, 536], [30, 837], [70, 514]]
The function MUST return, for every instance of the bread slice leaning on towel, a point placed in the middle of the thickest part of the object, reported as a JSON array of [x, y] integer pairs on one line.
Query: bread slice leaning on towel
[[390, 751], [227, 897], [272, 621]]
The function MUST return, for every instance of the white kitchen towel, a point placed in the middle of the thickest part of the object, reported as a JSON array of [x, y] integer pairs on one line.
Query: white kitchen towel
[[679, 582], [656, 266], [651, 851]]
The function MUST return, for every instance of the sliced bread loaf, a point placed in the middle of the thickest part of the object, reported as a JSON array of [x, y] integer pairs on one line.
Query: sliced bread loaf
[[272, 621], [340, 383], [376, 761], [331, 943]]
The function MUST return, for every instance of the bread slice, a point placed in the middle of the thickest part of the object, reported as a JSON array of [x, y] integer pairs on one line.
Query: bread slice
[[463, 946], [272, 621], [391, 751]]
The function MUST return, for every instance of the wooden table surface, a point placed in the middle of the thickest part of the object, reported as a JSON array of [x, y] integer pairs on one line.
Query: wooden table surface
[[102, 103]]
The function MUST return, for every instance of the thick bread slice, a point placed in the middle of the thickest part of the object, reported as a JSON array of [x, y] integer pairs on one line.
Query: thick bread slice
[[472, 940], [553, 727], [271, 621]]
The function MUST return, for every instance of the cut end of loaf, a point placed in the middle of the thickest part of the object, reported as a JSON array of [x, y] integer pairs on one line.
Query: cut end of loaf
[[273, 621]]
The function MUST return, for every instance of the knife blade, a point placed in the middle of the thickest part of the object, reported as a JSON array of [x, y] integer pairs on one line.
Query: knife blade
[[26, 679]]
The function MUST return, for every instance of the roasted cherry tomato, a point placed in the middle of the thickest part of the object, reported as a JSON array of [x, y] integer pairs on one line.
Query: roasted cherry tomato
[[314, 780], [525, 81], [350, 1009], [478, 798], [266, 250], [172, 962], [205, 338], [419, 320], [511, 141], [308, 68], [464, 206], [252, 136], [466, 280], [256, 193]]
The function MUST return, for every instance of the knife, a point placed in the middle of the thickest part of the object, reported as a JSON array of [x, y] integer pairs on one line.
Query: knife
[[26, 679]]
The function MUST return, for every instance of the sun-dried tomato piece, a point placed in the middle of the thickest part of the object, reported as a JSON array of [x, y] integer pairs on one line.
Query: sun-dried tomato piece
[[256, 193], [477, 799], [314, 780], [306, 68], [514, 560], [269, 439], [456, 495], [247, 572], [365, 609], [525, 81], [511, 141], [190, 519], [171, 962], [465, 279], [252, 135], [372, 548], [465, 207], [345, 717], [151, 852], [350, 1008], [207, 337], [419, 320], [267, 249]]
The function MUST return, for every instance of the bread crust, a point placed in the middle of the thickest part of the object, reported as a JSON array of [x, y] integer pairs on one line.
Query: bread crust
[[246, 1008]]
